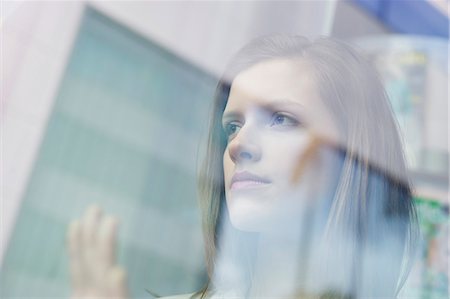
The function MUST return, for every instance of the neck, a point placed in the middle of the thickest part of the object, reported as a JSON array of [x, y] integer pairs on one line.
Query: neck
[[279, 262]]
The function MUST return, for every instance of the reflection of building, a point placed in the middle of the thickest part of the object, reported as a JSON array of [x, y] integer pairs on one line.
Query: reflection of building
[[89, 114]]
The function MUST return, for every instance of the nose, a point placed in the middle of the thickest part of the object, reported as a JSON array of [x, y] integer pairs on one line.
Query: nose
[[244, 146]]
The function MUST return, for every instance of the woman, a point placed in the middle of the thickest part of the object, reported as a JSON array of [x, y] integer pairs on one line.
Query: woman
[[304, 191]]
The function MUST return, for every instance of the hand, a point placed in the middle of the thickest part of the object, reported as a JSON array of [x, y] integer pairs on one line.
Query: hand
[[92, 257]]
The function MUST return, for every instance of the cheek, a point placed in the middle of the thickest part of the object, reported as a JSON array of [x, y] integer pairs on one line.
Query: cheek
[[284, 155], [227, 165]]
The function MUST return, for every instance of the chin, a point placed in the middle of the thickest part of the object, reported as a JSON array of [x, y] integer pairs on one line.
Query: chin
[[247, 217], [245, 224]]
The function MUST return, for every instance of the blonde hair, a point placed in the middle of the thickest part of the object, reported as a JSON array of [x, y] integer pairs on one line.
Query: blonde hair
[[373, 183]]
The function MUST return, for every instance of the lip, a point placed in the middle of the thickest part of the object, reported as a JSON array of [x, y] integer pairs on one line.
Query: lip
[[247, 180]]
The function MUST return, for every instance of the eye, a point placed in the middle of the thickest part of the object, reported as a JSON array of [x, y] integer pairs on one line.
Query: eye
[[281, 119], [231, 128]]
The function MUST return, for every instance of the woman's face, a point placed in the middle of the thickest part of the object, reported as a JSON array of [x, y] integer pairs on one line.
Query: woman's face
[[272, 110]]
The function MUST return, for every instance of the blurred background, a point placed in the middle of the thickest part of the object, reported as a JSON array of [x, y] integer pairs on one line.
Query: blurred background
[[106, 102]]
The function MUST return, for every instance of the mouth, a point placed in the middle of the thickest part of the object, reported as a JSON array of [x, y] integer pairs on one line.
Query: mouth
[[247, 180]]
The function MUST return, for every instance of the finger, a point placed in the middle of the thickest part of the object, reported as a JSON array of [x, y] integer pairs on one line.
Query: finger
[[106, 248], [75, 263], [107, 240], [90, 223], [117, 282], [89, 232]]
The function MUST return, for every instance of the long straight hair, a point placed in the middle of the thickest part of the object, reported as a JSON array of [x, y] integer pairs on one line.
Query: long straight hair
[[372, 202]]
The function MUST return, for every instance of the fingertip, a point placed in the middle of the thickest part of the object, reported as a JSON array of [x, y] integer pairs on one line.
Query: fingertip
[[73, 229], [109, 225], [73, 225], [90, 224], [94, 209]]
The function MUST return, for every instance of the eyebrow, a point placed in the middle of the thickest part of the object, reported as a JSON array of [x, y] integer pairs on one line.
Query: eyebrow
[[270, 105]]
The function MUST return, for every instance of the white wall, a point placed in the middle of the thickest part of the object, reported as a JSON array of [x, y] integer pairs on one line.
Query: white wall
[[207, 32], [36, 41]]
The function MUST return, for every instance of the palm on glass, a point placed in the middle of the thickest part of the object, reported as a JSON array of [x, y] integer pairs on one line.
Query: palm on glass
[[91, 244]]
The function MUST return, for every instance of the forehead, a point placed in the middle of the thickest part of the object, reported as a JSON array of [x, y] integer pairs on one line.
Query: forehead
[[271, 81]]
